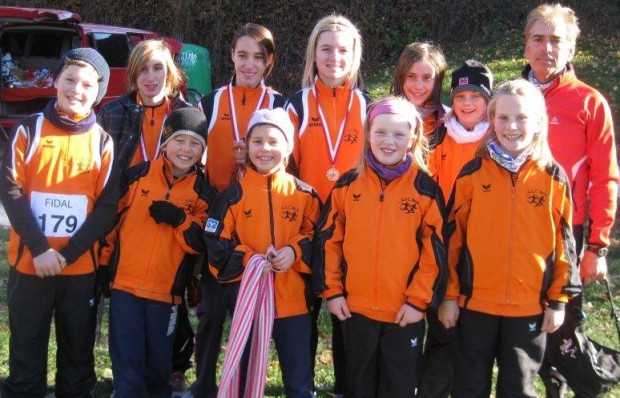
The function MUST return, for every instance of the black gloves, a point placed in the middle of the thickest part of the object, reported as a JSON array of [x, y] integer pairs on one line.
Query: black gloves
[[166, 212], [102, 282]]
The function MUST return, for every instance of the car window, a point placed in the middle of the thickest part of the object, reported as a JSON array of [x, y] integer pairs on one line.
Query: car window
[[113, 47]]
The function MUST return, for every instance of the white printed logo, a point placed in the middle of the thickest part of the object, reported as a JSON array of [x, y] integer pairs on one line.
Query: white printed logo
[[554, 120], [414, 342], [532, 326]]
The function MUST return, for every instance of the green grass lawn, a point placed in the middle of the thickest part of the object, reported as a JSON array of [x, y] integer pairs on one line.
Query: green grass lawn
[[597, 62]]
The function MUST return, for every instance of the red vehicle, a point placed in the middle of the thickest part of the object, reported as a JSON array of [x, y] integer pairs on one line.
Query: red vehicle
[[31, 43]]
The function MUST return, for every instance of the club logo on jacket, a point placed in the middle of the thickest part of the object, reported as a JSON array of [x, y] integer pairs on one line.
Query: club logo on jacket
[[290, 213], [486, 187], [84, 167], [536, 198], [144, 193], [351, 136], [568, 348], [409, 205], [315, 122], [248, 213], [189, 205], [357, 197]]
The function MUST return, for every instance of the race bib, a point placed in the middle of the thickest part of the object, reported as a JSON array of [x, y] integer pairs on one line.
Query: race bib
[[59, 215]]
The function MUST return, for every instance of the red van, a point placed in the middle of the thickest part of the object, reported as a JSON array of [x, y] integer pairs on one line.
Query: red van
[[31, 43]]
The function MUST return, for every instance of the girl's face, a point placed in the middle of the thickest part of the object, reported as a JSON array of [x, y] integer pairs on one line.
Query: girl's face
[[390, 137], [334, 57], [183, 151], [151, 80], [419, 83], [76, 89], [516, 122], [250, 63], [267, 148], [470, 108]]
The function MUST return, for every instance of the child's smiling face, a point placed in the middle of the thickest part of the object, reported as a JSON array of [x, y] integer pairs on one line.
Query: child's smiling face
[[470, 108], [77, 88], [516, 122], [419, 82], [390, 137], [267, 148]]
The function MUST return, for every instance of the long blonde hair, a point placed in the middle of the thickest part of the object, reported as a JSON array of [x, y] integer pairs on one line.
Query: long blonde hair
[[142, 53], [408, 111], [541, 153], [333, 23]]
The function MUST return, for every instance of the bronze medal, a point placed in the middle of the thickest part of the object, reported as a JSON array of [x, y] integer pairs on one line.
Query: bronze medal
[[332, 174]]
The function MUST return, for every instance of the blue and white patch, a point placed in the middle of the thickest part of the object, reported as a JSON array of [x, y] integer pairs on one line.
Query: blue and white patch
[[211, 225]]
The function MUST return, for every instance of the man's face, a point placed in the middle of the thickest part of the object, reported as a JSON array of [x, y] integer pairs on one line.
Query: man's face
[[548, 49]]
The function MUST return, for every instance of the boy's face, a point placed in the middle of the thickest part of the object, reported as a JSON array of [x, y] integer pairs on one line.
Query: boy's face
[[516, 122], [77, 88], [470, 108], [267, 148], [183, 151]]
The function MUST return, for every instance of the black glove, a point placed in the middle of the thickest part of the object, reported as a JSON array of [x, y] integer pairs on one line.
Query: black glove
[[166, 212], [102, 282]]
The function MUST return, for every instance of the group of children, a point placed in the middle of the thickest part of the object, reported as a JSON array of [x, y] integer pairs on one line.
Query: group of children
[[394, 212]]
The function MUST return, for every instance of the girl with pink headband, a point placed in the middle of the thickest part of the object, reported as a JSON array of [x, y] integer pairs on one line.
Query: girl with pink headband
[[381, 283]]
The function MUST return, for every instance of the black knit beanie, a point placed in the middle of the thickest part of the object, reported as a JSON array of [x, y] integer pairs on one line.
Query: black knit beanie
[[474, 76], [189, 121], [93, 58]]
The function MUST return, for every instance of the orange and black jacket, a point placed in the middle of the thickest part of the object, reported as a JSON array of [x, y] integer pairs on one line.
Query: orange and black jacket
[[146, 258], [311, 160], [60, 190], [220, 137], [259, 211], [381, 246], [511, 248]]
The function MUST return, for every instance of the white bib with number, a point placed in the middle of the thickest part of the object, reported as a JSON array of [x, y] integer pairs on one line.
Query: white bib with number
[[59, 215]]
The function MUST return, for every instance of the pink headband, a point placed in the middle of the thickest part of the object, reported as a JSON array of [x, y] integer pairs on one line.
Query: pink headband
[[396, 106]]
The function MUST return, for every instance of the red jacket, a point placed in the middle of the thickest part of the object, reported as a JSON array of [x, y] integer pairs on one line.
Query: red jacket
[[582, 140]]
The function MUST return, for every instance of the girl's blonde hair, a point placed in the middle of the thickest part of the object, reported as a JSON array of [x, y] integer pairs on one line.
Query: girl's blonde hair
[[145, 51], [407, 111], [333, 23], [420, 52], [541, 153], [263, 37]]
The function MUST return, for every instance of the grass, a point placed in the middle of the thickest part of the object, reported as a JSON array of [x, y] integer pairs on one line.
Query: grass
[[597, 62]]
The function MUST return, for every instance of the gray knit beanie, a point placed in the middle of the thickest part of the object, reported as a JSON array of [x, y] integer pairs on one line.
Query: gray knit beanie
[[93, 58]]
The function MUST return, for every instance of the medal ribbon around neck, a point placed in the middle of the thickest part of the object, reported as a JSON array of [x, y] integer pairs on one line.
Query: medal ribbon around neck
[[233, 111], [331, 148], [145, 155]]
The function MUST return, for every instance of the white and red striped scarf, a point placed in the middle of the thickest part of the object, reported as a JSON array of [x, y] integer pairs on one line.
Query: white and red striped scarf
[[254, 312]]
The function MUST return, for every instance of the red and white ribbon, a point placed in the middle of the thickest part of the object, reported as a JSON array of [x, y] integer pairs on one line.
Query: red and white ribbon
[[254, 312]]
